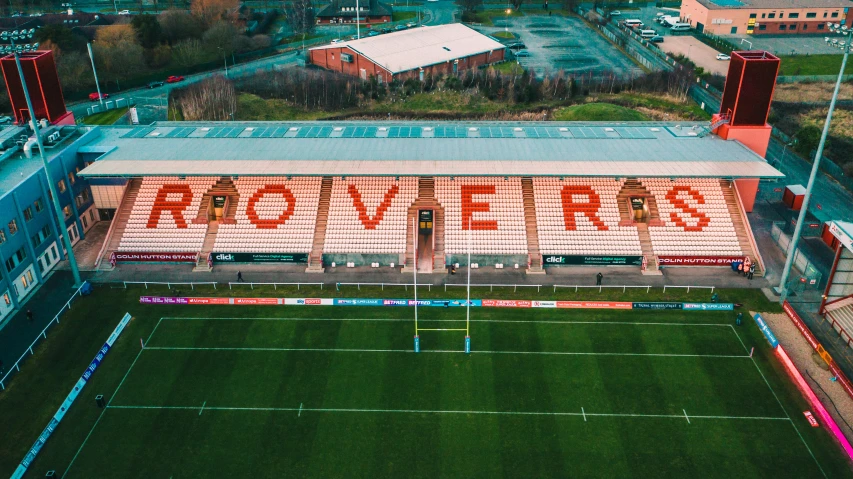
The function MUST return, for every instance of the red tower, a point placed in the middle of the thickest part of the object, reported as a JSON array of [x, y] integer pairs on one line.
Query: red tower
[[745, 108], [43, 85]]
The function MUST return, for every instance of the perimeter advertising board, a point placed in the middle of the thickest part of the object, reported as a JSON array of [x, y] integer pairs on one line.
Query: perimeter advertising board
[[558, 260], [698, 260], [260, 257]]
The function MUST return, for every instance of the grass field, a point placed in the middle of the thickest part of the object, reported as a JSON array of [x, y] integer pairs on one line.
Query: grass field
[[328, 392], [812, 65], [598, 112], [105, 118]]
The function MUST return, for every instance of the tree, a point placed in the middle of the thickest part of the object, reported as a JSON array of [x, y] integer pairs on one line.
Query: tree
[[61, 36], [213, 11], [118, 53], [221, 38], [300, 16], [807, 140], [114, 35], [75, 72], [148, 30], [176, 25], [188, 52], [469, 6], [213, 99], [159, 56]]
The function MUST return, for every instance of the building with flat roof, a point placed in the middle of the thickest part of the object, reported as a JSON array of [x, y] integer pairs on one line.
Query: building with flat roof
[[411, 53], [347, 11], [764, 17]]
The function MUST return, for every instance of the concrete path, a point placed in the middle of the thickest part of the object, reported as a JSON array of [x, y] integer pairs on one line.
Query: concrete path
[[701, 54]]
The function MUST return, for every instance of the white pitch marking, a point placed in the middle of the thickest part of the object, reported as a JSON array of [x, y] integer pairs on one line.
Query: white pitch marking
[[354, 350], [686, 416], [300, 410], [202, 408], [583, 413]]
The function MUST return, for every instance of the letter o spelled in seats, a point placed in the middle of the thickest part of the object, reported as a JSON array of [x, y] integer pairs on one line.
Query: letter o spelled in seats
[[265, 223]]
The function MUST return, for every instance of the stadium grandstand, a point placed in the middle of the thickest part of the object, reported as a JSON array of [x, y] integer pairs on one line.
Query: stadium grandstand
[[368, 194]]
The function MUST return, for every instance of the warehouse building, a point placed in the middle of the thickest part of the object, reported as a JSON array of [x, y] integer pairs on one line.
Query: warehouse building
[[411, 53], [764, 17]]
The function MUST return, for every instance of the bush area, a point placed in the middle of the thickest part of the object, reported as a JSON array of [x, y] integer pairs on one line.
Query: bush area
[[598, 112], [492, 93], [151, 47]]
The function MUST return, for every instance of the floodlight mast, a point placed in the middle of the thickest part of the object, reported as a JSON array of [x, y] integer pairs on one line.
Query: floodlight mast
[[15, 50], [846, 33]]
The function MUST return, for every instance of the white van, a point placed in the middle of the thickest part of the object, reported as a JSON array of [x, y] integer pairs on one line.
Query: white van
[[633, 22], [648, 33], [681, 27]]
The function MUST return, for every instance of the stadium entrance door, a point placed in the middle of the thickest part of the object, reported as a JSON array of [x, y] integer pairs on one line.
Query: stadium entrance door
[[639, 209], [426, 241]]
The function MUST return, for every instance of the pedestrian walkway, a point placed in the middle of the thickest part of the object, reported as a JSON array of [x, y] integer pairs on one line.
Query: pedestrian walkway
[[18, 333]]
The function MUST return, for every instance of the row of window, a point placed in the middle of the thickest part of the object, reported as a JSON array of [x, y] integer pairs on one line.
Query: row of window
[[796, 15], [793, 26], [16, 259], [28, 215]]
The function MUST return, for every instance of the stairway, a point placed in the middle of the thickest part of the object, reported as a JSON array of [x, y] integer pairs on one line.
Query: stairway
[[633, 188], [652, 267], [223, 187], [315, 258], [113, 239], [426, 200], [742, 228], [207, 247], [530, 225]]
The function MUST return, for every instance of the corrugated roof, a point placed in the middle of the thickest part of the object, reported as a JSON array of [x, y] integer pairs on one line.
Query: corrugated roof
[[774, 4], [421, 46], [282, 149]]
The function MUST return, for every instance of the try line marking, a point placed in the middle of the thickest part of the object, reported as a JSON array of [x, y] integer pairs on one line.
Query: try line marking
[[440, 351], [583, 413], [408, 320]]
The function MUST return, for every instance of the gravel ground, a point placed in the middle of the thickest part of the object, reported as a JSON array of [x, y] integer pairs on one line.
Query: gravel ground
[[815, 371]]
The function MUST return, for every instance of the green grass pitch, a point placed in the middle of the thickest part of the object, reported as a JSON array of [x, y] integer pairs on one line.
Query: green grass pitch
[[230, 391]]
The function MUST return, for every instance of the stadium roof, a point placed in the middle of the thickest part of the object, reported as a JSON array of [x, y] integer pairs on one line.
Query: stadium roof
[[774, 4], [421, 46], [420, 149]]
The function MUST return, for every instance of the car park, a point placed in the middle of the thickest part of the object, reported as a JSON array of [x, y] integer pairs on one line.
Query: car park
[[656, 39], [681, 27], [155, 84], [174, 79], [648, 33], [723, 56]]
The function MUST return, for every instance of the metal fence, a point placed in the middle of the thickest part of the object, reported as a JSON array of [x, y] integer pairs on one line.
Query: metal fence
[[169, 285], [382, 285], [492, 286], [41, 336], [624, 288], [274, 285]]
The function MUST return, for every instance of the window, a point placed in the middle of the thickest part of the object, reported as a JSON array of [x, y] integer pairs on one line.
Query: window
[[824, 14], [71, 178], [805, 26], [834, 15], [771, 15], [92, 214], [2, 236], [763, 15], [24, 281], [762, 27], [30, 275], [752, 15], [67, 211], [13, 227], [793, 15], [28, 213], [21, 254], [38, 205], [734, 30], [7, 299], [61, 186], [781, 14], [811, 15], [783, 27], [42, 235], [820, 26], [16, 259], [793, 26]]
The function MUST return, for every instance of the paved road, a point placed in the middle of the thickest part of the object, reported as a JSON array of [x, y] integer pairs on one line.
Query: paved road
[[701, 54]]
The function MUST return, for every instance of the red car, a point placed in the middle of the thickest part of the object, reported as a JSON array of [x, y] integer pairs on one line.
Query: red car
[[94, 96], [174, 79]]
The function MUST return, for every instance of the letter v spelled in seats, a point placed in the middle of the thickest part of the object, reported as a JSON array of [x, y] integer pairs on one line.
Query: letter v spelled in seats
[[368, 215]]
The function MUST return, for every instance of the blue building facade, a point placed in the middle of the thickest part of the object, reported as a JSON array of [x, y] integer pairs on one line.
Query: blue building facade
[[30, 241]]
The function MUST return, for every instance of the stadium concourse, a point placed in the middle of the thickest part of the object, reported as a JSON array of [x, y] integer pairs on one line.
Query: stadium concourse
[[520, 197]]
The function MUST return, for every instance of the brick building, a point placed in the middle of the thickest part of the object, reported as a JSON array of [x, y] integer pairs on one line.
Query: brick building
[[764, 17], [346, 11], [411, 53]]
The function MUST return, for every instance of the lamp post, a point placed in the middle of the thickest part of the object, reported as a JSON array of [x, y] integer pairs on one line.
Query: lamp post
[[95, 72], [846, 35], [506, 21], [16, 50], [225, 60]]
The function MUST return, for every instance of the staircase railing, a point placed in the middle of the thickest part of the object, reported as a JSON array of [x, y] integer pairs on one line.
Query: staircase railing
[[115, 219], [747, 228]]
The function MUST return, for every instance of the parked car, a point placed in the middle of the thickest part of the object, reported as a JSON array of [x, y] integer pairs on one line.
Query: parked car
[[386, 30], [156, 84], [94, 96], [615, 13], [336, 40], [5, 120], [400, 27], [373, 33], [174, 79], [522, 53], [723, 56], [124, 12], [517, 46], [656, 39], [411, 25]]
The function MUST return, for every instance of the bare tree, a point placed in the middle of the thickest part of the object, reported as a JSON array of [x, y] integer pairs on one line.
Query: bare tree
[[469, 5], [118, 53], [188, 52], [177, 25], [300, 17], [213, 99], [221, 38], [212, 11]]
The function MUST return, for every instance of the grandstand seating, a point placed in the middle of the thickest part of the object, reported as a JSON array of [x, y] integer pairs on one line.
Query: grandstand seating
[[161, 219], [368, 215], [580, 216], [696, 218], [274, 215], [492, 207]]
